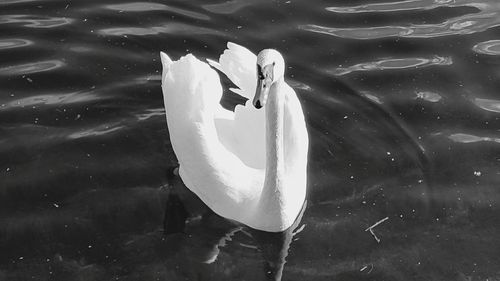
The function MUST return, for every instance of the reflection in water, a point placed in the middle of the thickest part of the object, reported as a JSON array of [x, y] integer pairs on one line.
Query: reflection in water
[[428, 96], [148, 6], [172, 28], [35, 21], [228, 7], [299, 85], [454, 26], [487, 17], [101, 130], [52, 99], [388, 64], [151, 113], [14, 43], [182, 205], [466, 138], [28, 68], [16, 1], [398, 6], [84, 147], [372, 97], [488, 104], [491, 47]]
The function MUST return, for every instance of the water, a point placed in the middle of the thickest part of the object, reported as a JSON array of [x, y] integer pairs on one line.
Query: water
[[401, 101]]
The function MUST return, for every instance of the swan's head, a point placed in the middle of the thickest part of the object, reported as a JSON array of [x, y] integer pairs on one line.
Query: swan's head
[[270, 68]]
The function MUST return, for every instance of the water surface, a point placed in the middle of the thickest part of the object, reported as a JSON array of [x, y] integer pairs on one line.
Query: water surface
[[402, 107]]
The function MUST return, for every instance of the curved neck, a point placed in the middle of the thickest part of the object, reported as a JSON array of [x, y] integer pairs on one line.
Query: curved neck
[[275, 166]]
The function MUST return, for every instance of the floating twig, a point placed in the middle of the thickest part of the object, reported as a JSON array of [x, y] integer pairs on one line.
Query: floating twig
[[366, 267], [374, 225]]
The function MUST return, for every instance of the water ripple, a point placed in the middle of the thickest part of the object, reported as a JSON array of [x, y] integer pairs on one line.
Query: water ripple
[[147, 6], [228, 7], [398, 6], [173, 28], [391, 64], [491, 47], [457, 26], [98, 131], [52, 99], [150, 113], [466, 138], [487, 17], [5, 2], [14, 43], [488, 104], [34, 67], [428, 96], [35, 21]]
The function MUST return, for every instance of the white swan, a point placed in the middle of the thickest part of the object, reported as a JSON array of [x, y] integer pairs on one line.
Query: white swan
[[250, 165]]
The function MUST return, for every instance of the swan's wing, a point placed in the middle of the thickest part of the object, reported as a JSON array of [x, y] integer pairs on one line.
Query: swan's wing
[[239, 65], [192, 92], [245, 135]]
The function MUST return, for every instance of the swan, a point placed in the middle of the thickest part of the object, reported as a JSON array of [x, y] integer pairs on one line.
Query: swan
[[249, 165]]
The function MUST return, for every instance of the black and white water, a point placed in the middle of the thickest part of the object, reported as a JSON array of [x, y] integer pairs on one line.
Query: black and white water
[[402, 105]]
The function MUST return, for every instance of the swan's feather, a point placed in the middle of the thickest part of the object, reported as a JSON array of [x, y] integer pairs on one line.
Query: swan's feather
[[239, 65], [221, 153]]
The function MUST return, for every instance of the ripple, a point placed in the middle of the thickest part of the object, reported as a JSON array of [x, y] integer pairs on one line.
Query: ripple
[[150, 113], [299, 85], [52, 99], [410, 5], [467, 24], [5, 2], [174, 28], [147, 6], [228, 7], [28, 68], [14, 43], [98, 131], [491, 47], [466, 138], [81, 49], [35, 21], [372, 97], [428, 96], [391, 64], [488, 104]]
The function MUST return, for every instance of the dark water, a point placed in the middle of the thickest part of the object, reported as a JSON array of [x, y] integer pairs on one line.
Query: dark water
[[402, 105]]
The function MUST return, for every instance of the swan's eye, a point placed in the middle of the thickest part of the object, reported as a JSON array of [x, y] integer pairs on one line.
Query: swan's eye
[[259, 72]]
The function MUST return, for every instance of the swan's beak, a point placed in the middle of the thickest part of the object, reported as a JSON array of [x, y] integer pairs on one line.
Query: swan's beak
[[264, 81]]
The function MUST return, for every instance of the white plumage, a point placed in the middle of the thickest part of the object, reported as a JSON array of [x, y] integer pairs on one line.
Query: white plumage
[[223, 155]]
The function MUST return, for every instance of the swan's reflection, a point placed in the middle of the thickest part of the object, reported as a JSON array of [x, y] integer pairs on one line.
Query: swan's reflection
[[206, 232]]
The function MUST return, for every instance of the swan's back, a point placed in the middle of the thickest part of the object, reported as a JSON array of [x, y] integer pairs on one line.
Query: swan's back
[[192, 92], [222, 154]]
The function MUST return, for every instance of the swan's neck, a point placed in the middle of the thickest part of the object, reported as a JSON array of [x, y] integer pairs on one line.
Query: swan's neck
[[275, 162]]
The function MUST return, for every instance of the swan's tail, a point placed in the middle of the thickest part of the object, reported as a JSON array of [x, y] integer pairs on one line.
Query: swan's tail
[[166, 62]]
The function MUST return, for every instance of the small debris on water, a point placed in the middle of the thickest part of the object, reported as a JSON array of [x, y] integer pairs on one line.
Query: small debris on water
[[374, 225], [477, 173]]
